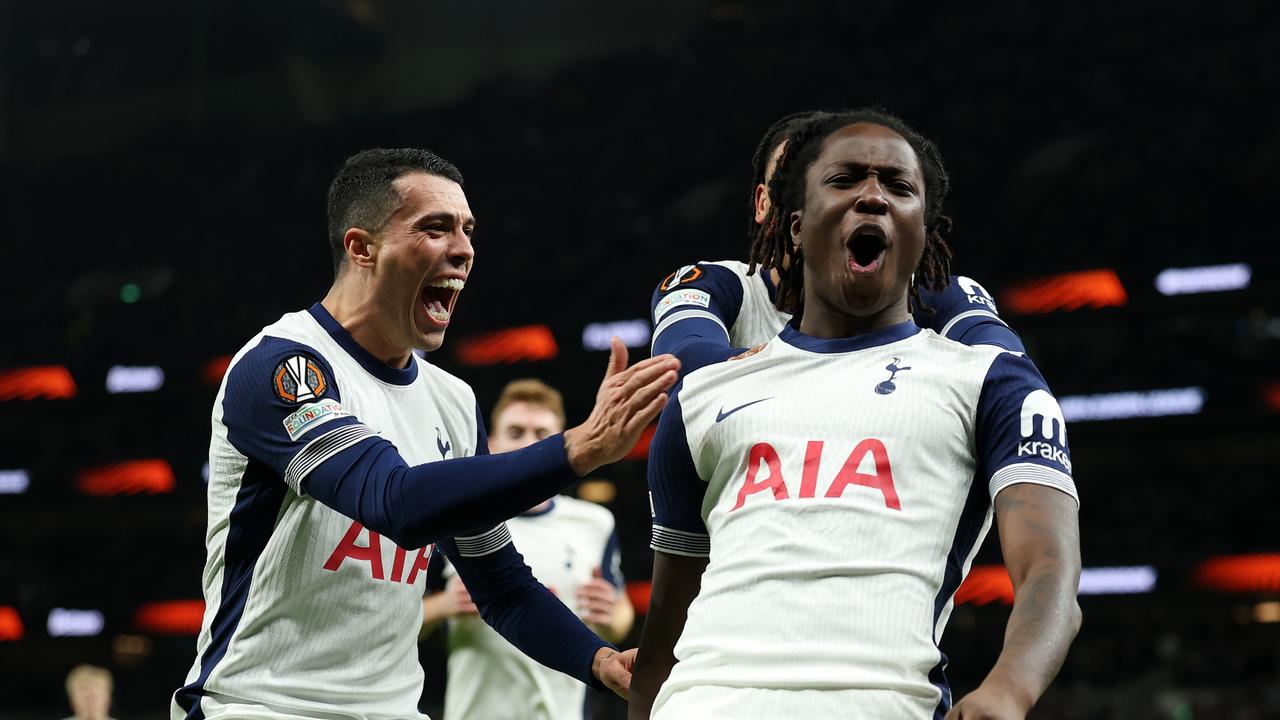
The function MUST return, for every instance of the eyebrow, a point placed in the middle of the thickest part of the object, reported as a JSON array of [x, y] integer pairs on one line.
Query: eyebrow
[[888, 168], [443, 217]]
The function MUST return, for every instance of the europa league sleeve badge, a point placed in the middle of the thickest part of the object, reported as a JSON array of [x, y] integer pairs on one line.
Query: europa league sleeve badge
[[298, 379]]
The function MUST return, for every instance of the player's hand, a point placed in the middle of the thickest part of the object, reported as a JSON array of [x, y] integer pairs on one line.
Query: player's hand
[[988, 703], [749, 352], [597, 600], [613, 669], [457, 599], [627, 402]]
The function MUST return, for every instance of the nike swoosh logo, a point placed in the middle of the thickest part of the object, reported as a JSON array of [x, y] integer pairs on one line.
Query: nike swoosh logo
[[721, 414]]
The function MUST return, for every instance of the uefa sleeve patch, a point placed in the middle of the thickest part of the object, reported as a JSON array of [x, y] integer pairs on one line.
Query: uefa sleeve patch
[[298, 379], [688, 296], [312, 415], [686, 274]]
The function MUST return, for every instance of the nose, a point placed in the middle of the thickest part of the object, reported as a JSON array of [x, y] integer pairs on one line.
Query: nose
[[461, 252], [872, 200]]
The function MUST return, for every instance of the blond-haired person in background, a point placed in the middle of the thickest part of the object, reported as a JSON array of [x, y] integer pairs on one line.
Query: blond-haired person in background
[[89, 691]]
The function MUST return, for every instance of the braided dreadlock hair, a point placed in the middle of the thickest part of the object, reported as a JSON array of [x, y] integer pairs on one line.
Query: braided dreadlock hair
[[771, 245], [778, 133]]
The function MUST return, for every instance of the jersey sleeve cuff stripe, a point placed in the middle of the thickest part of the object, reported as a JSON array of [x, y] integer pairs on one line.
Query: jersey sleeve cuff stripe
[[676, 317], [1034, 474], [680, 542], [946, 329], [484, 544], [321, 449]]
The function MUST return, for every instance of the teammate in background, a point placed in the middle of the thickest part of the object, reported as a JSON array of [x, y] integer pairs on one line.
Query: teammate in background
[[701, 310], [570, 545], [339, 457], [817, 504], [89, 692]]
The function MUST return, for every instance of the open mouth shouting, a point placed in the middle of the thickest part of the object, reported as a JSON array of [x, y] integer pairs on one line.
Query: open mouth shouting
[[866, 249], [438, 298]]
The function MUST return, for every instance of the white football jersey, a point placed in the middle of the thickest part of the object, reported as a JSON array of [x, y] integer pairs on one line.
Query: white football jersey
[[840, 489], [488, 677], [708, 298], [307, 613]]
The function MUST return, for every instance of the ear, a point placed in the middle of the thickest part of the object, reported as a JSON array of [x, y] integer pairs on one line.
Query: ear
[[361, 247], [796, 218], [762, 203]]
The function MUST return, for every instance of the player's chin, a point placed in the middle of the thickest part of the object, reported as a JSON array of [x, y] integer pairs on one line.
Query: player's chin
[[868, 295], [427, 336]]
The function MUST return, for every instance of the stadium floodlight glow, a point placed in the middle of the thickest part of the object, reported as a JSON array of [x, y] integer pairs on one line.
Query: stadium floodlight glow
[[633, 333], [170, 617], [11, 628], [1205, 279], [14, 482], [529, 343], [131, 477], [1130, 580], [134, 378], [47, 382], [1124, 405], [215, 369], [1093, 289], [1253, 573], [65, 622]]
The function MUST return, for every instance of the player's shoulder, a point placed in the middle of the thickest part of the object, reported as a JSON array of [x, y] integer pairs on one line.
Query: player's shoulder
[[963, 297], [696, 389], [290, 341], [585, 512], [441, 380], [936, 344]]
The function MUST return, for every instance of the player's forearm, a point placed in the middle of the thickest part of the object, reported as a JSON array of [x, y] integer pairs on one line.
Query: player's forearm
[[677, 580], [1044, 621], [1040, 536], [651, 671], [415, 506]]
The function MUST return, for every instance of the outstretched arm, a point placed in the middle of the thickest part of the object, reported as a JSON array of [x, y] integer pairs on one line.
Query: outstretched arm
[[677, 580], [369, 481], [524, 612], [1040, 537]]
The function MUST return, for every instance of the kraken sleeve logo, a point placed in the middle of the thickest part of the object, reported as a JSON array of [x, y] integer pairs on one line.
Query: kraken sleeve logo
[[299, 379], [1043, 429]]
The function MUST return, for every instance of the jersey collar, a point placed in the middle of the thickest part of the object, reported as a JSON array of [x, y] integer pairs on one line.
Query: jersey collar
[[766, 276], [792, 336], [374, 366]]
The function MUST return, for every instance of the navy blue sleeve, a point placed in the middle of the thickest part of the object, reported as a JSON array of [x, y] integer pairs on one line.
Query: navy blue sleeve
[[611, 563], [966, 312], [282, 407], [280, 398], [675, 489], [1021, 433], [524, 612], [692, 310], [418, 505]]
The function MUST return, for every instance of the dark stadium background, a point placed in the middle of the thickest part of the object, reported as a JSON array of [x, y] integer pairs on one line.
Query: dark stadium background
[[162, 178]]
